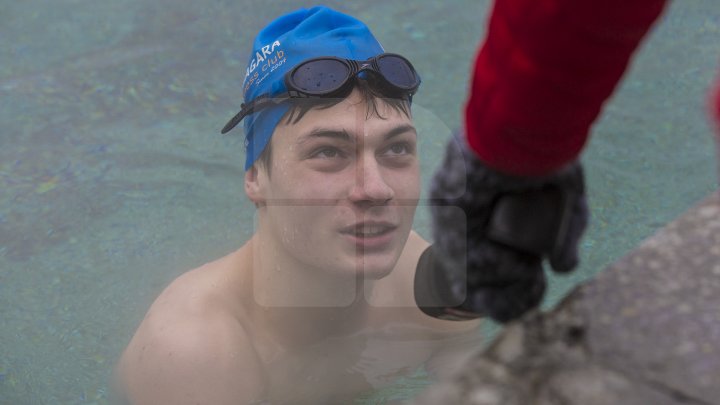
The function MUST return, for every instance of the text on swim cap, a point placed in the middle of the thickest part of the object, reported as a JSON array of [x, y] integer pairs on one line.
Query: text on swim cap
[[260, 56]]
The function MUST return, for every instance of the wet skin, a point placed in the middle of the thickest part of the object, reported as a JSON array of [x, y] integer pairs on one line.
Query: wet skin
[[318, 306]]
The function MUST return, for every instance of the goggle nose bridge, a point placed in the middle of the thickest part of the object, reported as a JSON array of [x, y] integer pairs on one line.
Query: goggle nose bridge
[[361, 68]]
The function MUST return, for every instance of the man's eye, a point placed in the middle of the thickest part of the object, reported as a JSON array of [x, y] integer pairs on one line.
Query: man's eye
[[327, 153], [398, 149]]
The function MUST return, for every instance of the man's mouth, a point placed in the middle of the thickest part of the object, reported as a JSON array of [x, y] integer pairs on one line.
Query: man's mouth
[[369, 230], [366, 231], [375, 236]]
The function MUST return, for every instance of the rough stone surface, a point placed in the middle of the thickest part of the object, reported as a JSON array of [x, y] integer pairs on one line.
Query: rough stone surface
[[644, 331]]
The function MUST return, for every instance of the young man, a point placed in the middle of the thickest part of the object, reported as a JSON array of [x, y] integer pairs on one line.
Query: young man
[[318, 305]]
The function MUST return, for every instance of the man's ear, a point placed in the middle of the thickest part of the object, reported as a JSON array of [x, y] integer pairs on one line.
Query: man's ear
[[255, 181]]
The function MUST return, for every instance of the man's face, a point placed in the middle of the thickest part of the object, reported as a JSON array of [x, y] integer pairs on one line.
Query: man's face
[[342, 189]]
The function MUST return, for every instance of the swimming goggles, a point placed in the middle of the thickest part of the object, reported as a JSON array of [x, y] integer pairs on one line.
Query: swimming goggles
[[329, 76]]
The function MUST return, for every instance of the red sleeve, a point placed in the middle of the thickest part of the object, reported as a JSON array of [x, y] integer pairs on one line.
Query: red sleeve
[[543, 73], [715, 110]]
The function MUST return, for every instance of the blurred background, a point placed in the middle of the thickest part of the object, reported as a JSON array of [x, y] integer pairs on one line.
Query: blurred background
[[114, 178]]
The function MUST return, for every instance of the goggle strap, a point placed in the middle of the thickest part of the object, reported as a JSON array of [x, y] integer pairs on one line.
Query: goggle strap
[[248, 108], [234, 120], [297, 94]]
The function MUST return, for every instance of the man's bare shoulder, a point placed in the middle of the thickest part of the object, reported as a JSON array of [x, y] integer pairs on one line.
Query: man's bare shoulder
[[192, 347]]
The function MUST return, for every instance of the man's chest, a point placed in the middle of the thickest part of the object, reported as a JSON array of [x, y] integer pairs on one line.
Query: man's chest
[[339, 369]]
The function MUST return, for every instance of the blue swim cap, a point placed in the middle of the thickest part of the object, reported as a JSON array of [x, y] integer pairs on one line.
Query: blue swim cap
[[283, 44]]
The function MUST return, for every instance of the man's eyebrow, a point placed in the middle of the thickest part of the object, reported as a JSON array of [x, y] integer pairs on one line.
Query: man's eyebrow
[[325, 133], [343, 135], [399, 130]]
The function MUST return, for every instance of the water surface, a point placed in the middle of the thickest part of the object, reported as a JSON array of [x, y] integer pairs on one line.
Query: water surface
[[114, 178]]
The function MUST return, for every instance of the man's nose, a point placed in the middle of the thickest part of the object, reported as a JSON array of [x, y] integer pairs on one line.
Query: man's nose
[[370, 185]]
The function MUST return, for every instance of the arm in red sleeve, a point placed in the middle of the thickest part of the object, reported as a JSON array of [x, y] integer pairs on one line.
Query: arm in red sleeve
[[714, 104], [542, 75], [715, 109]]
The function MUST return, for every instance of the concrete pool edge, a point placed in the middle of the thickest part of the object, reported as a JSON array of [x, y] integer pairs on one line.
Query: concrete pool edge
[[645, 330]]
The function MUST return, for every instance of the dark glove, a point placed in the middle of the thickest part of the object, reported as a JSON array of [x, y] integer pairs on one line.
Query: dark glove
[[492, 231]]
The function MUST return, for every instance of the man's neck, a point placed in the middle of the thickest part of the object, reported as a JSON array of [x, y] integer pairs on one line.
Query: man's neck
[[300, 305]]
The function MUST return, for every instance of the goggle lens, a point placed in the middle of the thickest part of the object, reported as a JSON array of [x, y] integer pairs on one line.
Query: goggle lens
[[320, 76], [397, 71]]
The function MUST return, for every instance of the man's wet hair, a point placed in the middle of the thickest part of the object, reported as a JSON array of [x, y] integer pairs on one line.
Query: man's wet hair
[[369, 93]]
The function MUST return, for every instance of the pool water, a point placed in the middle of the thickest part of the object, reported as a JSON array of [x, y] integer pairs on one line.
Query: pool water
[[114, 178]]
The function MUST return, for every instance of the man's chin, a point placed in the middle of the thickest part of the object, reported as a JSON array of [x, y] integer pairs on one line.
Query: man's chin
[[376, 266]]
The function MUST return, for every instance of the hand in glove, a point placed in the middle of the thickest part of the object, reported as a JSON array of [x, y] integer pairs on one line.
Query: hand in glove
[[492, 231]]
